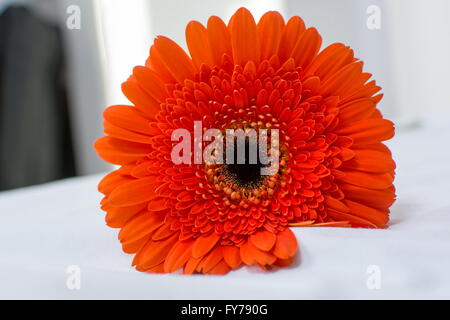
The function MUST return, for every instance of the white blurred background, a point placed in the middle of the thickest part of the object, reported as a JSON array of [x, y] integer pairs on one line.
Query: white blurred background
[[409, 55]]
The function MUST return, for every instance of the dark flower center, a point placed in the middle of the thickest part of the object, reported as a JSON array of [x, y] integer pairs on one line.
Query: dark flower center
[[248, 173]]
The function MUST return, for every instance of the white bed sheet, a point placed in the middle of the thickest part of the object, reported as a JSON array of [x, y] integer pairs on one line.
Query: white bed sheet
[[45, 229]]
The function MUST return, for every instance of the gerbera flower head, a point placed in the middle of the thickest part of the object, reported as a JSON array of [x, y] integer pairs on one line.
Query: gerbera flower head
[[333, 169]]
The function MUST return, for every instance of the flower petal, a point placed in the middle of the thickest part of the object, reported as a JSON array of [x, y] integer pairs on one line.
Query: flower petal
[[370, 161], [133, 192], [251, 255], [354, 220], [367, 180], [111, 181], [307, 47], [191, 265], [124, 134], [335, 204], [198, 44], [244, 37], [355, 111], [219, 39], [176, 61], [120, 152], [286, 245], [127, 117], [154, 252], [342, 81], [117, 217], [156, 63], [270, 30], [150, 82], [292, 33], [178, 256], [376, 216], [220, 269], [232, 256], [140, 226], [131, 247], [263, 240], [330, 60], [204, 244], [210, 260], [368, 131], [163, 232], [382, 199], [141, 99]]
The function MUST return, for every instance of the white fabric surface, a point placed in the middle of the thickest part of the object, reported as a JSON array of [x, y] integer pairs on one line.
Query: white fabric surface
[[47, 228]]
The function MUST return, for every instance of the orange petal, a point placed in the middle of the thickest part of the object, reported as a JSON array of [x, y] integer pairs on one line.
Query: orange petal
[[370, 161], [292, 32], [247, 254], [341, 224], [376, 216], [191, 265], [128, 118], [232, 256], [156, 269], [330, 60], [155, 252], [158, 204], [134, 246], [163, 231], [111, 181], [140, 226], [356, 110], [142, 170], [312, 84], [244, 37], [346, 154], [342, 81], [117, 217], [354, 220], [377, 146], [283, 262], [150, 82], [133, 192], [368, 180], [141, 99], [174, 59], [219, 39], [198, 44], [270, 30], [306, 47], [370, 197], [220, 269], [204, 244], [120, 152], [336, 204], [263, 240], [178, 256], [365, 91], [251, 255], [157, 64], [210, 260], [369, 131], [286, 245], [124, 134]]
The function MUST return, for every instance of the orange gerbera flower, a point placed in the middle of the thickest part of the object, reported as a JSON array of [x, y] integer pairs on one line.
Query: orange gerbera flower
[[334, 169]]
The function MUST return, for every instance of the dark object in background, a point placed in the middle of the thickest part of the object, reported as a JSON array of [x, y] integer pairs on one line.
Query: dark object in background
[[35, 136]]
